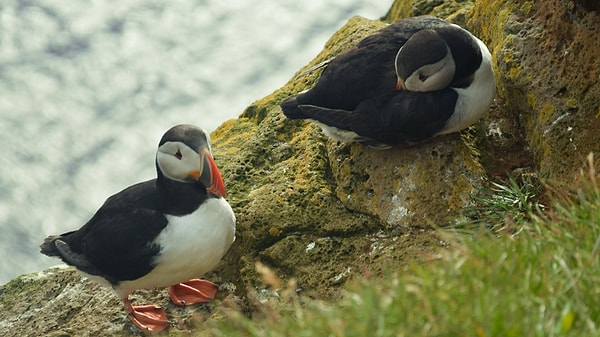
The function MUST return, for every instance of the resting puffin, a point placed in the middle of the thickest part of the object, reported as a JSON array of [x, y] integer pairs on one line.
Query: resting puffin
[[163, 232], [410, 81]]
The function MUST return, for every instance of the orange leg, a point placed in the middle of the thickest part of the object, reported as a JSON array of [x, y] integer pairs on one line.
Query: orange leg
[[147, 317], [192, 291]]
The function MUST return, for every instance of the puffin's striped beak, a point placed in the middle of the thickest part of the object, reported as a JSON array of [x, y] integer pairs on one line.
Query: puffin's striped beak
[[210, 176], [400, 84]]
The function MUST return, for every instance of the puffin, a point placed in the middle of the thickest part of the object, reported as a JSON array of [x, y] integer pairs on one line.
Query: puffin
[[413, 80], [164, 232]]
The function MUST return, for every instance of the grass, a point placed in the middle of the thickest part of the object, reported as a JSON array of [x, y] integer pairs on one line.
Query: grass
[[541, 280], [503, 204]]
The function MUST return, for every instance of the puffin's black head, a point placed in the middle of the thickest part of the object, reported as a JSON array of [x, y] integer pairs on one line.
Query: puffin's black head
[[184, 155], [466, 52], [424, 63]]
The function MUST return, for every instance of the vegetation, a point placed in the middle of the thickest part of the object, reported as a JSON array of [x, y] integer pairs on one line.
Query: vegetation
[[530, 271]]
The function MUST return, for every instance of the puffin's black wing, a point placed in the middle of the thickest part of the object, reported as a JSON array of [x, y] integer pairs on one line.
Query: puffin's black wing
[[402, 117], [351, 77], [121, 249], [362, 72], [117, 242]]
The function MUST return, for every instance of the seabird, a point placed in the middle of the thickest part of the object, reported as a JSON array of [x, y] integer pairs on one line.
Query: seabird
[[413, 80], [167, 231]]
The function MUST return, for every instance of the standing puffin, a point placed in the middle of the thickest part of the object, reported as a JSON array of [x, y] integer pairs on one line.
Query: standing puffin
[[163, 232], [413, 80]]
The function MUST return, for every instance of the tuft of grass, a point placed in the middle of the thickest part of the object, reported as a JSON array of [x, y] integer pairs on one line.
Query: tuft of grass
[[503, 204], [543, 280]]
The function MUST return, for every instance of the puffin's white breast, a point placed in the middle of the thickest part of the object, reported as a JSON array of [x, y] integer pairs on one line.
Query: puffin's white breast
[[190, 246]]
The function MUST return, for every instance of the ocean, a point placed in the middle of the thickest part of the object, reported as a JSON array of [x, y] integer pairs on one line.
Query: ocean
[[88, 87]]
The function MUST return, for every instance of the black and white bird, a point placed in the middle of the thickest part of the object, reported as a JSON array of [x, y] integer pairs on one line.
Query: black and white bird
[[413, 80], [168, 231]]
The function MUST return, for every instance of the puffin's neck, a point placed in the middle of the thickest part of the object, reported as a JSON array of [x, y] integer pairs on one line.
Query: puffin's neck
[[180, 198]]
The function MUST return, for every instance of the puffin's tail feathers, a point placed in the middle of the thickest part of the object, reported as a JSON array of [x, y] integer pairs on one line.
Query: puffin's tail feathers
[[290, 108], [73, 258], [48, 247], [55, 245]]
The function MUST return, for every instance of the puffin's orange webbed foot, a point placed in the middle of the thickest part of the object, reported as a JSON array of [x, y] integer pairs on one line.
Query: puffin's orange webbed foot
[[192, 291], [147, 317]]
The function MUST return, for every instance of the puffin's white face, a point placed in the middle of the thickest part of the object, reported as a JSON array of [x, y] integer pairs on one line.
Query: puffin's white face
[[178, 161], [432, 77]]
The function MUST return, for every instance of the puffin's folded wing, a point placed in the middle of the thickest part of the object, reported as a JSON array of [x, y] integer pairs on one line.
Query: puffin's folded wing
[[341, 119], [398, 118], [121, 244]]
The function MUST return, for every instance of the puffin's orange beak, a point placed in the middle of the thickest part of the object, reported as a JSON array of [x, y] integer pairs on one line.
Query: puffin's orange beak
[[210, 176], [400, 84]]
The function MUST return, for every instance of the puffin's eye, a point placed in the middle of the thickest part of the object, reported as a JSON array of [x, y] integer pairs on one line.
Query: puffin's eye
[[422, 77], [178, 155]]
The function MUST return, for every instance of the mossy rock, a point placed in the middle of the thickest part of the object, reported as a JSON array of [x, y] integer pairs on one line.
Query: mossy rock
[[60, 302], [546, 56], [289, 185]]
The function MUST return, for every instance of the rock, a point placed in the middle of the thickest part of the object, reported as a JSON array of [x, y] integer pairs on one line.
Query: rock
[[549, 78], [291, 187], [421, 186], [60, 302]]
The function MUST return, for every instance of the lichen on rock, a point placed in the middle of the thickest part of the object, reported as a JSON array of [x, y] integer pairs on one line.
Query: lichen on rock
[[546, 55]]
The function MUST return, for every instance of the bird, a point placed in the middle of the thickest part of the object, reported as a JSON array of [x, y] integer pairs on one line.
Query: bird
[[411, 81], [168, 231]]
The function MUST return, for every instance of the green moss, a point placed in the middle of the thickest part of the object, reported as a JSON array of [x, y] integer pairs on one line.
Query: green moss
[[514, 72], [488, 19], [275, 232], [259, 109], [540, 147], [546, 113], [532, 101], [400, 9], [572, 103], [230, 135], [526, 7], [10, 292], [461, 188], [452, 10]]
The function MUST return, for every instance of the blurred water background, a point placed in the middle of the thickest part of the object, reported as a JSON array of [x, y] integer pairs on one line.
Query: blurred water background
[[87, 88]]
